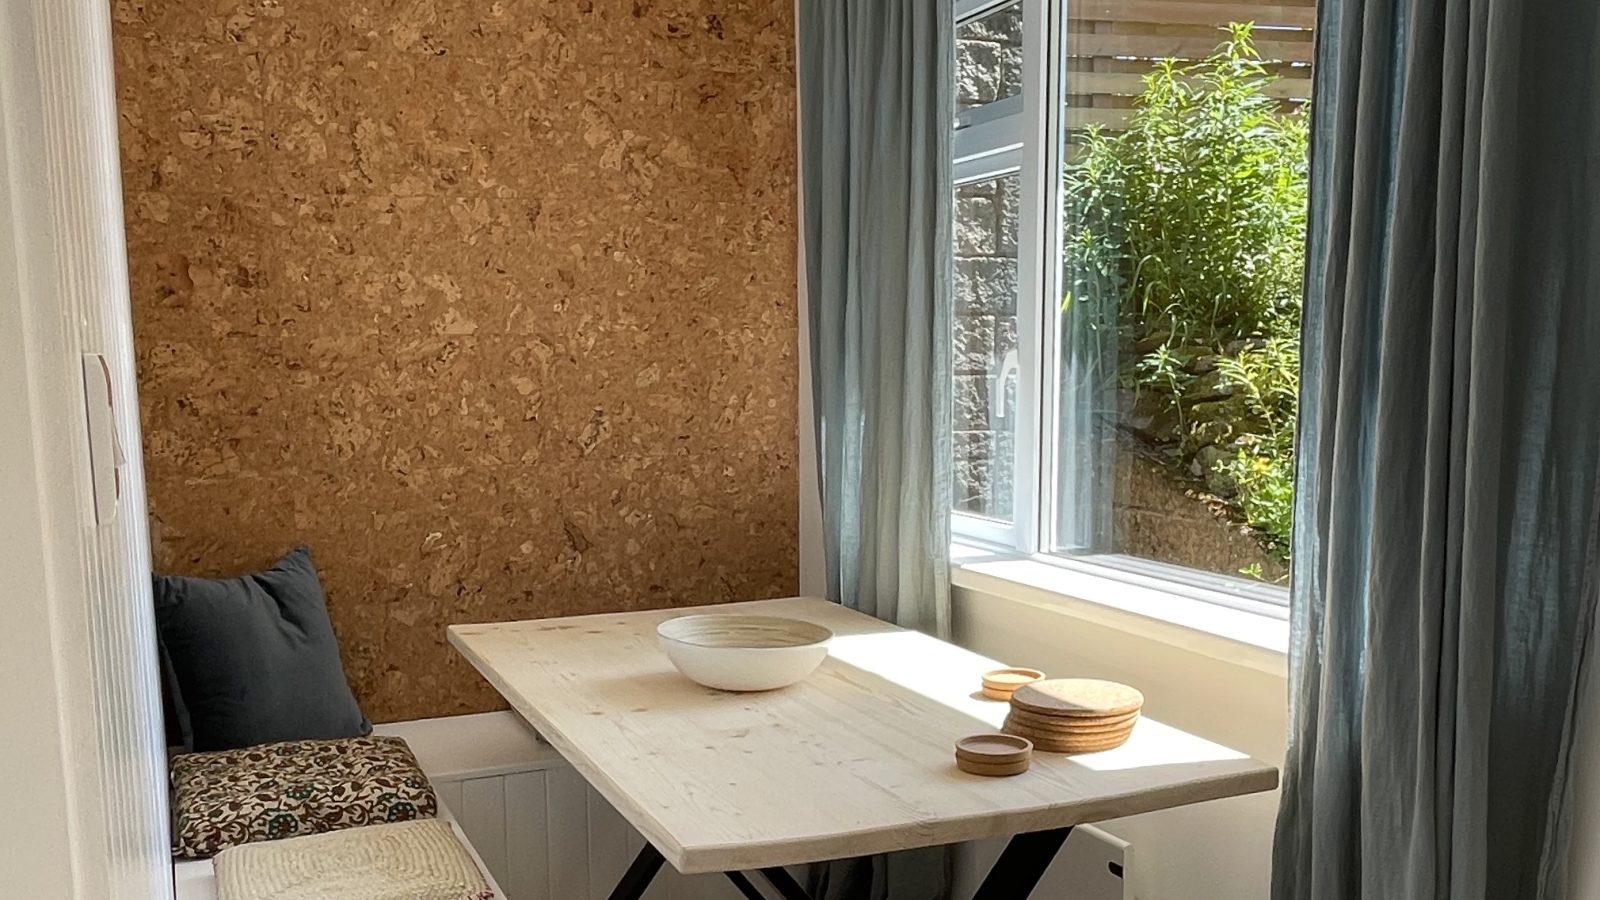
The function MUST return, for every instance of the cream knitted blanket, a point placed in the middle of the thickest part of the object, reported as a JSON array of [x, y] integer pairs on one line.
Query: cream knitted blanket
[[421, 860]]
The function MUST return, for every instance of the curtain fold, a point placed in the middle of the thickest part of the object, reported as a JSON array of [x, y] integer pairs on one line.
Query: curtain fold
[[1449, 450], [876, 119]]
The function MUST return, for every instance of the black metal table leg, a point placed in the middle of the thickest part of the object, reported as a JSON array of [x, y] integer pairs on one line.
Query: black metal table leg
[[745, 887], [639, 875], [1012, 877], [785, 884], [1020, 866]]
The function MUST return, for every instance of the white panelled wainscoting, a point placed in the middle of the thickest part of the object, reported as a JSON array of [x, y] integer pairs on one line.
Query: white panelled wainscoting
[[545, 834], [542, 831]]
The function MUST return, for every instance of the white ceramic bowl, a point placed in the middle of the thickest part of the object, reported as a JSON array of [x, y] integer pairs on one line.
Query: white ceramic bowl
[[744, 653]]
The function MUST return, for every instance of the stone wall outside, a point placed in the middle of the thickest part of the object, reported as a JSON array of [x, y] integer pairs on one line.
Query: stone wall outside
[[1154, 517], [985, 325]]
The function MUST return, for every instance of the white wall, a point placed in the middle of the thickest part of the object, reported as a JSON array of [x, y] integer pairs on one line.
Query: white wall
[[1584, 857], [1212, 851]]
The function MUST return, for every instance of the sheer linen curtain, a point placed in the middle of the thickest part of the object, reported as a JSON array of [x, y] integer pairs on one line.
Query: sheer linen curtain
[[1444, 581], [876, 115]]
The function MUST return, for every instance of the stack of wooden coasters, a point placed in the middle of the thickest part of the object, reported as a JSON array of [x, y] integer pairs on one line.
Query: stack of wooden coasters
[[1074, 715], [999, 684], [995, 755]]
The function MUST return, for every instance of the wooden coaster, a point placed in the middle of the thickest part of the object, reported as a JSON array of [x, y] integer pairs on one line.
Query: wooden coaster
[[1070, 724], [1109, 742], [1085, 747], [999, 683], [1077, 697], [993, 770], [1084, 744], [1021, 728], [993, 749]]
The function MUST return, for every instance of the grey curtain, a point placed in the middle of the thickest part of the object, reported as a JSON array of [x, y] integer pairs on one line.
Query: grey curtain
[[876, 118], [1444, 561]]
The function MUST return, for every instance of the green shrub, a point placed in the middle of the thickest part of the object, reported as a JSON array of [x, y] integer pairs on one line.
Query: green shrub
[[1266, 381], [1193, 221]]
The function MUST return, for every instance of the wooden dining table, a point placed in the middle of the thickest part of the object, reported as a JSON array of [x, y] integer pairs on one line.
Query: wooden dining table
[[856, 759]]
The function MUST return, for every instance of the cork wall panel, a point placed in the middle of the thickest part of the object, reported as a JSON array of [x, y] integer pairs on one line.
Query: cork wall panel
[[492, 304]]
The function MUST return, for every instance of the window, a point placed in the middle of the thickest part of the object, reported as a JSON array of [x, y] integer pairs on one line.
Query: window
[[1129, 217]]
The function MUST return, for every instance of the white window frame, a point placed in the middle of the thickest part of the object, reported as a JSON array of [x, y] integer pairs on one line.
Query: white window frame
[[1020, 135], [997, 139]]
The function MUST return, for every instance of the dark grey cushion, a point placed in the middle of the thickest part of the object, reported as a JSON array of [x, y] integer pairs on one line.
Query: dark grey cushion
[[254, 658]]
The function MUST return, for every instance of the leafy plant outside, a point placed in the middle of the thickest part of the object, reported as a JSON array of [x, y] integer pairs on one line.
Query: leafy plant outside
[[1193, 221]]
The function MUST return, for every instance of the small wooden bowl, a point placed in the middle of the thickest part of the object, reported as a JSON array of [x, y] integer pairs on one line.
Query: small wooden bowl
[[993, 754], [993, 770], [1000, 683]]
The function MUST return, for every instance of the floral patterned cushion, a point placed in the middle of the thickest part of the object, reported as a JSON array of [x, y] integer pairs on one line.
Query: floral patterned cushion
[[272, 791]]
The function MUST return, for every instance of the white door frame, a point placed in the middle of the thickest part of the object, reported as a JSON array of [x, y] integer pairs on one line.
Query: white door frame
[[82, 754]]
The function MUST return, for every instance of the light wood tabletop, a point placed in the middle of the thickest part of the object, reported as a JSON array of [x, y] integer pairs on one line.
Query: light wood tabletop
[[856, 759]]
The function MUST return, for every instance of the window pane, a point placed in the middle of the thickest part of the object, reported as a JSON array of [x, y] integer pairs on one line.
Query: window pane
[[986, 345], [989, 58], [1183, 201]]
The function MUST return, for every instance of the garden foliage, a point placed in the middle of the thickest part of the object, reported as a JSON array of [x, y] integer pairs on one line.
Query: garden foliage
[[1191, 225]]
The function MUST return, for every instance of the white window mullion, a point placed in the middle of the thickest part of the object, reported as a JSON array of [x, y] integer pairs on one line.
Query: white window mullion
[[1050, 82], [1033, 211], [988, 136], [972, 9], [993, 165]]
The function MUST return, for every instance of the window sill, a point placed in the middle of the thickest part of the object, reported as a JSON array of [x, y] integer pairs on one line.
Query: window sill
[[1256, 639]]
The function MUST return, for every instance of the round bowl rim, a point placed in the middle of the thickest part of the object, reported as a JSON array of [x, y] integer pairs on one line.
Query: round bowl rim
[[824, 634], [1019, 745]]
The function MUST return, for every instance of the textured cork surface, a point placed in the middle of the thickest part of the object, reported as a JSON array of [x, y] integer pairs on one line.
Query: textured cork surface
[[492, 304]]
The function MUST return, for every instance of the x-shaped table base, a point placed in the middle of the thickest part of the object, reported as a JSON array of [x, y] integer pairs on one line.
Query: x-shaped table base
[[1013, 877]]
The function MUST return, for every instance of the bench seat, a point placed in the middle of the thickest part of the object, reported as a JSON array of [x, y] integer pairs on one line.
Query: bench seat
[[448, 749]]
